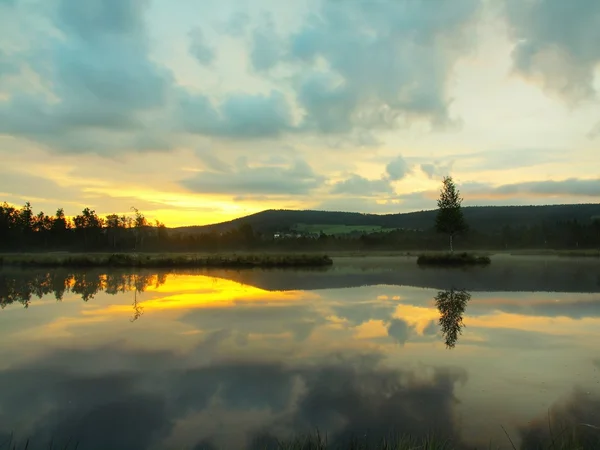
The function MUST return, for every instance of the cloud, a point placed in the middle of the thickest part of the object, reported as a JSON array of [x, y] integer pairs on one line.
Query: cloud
[[267, 47], [199, 49], [236, 24], [242, 116], [511, 158], [300, 320], [397, 169], [556, 44], [212, 162], [357, 185], [359, 313], [385, 63], [436, 169], [431, 329], [100, 72], [400, 330], [297, 178], [571, 186]]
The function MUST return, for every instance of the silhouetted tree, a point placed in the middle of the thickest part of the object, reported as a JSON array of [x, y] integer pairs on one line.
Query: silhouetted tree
[[140, 224], [89, 225], [112, 227], [450, 219]]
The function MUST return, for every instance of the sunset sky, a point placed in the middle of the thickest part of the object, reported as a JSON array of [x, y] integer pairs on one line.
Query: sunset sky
[[197, 112]]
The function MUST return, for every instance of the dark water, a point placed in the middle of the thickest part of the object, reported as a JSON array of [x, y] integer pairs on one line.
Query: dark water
[[219, 359]]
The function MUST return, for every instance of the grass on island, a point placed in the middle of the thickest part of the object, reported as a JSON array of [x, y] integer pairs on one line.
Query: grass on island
[[168, 261], [453, 259]]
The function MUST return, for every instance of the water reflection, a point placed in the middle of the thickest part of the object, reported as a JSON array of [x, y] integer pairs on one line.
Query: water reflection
[[22, 286], [216, 363], [451, 304]]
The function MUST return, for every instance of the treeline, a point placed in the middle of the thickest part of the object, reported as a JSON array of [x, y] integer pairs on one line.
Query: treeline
[[23, 230]]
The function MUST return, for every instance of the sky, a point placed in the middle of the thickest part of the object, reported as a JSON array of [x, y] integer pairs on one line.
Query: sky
[[197, 112]]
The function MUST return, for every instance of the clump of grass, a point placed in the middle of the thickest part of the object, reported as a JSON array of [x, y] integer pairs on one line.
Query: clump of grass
[[318, 441], [169, 261], [453, 259]]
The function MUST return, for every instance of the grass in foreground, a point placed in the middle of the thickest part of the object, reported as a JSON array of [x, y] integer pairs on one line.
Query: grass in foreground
[[453, 259], [168, 261], [567, 439]]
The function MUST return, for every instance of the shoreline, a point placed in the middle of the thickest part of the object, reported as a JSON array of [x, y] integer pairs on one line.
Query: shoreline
[[166, 261]]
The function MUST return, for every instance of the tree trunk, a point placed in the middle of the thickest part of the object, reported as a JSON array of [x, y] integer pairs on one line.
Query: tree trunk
[[451, 247]]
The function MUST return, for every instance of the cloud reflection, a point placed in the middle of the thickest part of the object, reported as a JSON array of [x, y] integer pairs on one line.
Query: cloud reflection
[[59, 397]]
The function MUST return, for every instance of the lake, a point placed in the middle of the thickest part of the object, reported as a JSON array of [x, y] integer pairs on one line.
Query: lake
[[235, 359]]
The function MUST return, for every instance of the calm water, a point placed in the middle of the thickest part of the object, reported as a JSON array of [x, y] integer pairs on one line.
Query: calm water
[[222, 358]]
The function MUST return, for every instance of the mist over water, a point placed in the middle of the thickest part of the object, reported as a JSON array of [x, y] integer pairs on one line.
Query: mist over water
[[238, 359]]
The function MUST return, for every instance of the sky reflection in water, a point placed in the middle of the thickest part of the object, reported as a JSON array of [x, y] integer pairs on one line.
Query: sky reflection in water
[[170, 360]]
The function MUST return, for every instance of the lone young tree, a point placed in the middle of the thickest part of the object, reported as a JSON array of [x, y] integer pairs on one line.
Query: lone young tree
[[450, 219]]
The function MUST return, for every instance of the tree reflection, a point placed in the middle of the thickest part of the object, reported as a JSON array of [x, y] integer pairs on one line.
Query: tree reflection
[[138, 309], [21, 287], [452, 304]]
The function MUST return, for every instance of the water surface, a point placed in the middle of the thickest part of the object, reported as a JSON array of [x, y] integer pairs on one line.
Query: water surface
[[225, 359]]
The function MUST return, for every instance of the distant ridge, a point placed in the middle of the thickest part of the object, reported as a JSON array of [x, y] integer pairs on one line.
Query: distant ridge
[[485, 218]]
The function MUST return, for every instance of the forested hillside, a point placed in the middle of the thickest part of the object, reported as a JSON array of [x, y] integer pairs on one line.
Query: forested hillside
[[481, 218]]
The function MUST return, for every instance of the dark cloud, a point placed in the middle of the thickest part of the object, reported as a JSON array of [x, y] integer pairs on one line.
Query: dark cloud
[[556, 44], [437, 169], [400, 330], [431, 329], [300, 320], [213, 162], [199, 49], [267, 47], [387, 62], [570, 423], [571, 186], [373, 404], [357, 185], [243, 116], [108, 406], [298, 178], [357, 313], [101, 72], [397, 169]]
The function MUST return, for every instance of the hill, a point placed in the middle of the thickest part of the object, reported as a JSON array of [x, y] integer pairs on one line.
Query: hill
[[479, 217]]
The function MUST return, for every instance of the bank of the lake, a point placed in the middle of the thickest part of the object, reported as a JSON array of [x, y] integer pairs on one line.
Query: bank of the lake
[[453, 259], [141, 260]]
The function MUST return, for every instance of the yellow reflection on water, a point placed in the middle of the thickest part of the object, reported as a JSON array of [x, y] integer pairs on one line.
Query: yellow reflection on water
[[184, 292]]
